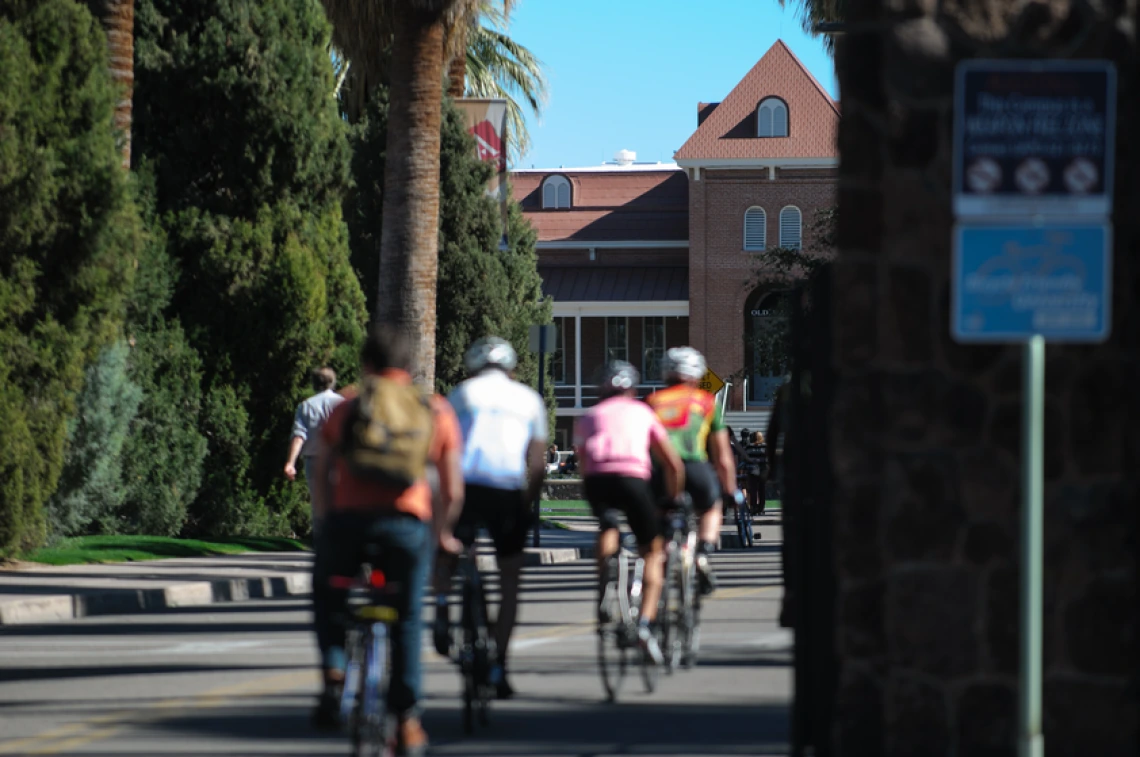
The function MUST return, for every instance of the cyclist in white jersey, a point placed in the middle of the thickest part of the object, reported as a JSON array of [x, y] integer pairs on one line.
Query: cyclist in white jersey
[[504, 429]]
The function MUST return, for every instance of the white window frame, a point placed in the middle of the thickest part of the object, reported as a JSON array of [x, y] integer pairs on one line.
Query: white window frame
[[555, 192], [791, 235], [559, 378], [624, 347], [647, 376], [773, 106], [756, 245]]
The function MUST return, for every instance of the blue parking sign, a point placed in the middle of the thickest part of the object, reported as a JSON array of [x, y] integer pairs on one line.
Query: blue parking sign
[[1011, 282]]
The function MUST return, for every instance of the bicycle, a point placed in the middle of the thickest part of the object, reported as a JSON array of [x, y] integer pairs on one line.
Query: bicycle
[[371, 615], [744, 525], [681, 600], [618, 613], [475, 648]]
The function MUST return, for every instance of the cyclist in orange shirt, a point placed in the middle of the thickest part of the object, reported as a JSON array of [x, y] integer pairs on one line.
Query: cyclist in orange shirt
[[407, 524]]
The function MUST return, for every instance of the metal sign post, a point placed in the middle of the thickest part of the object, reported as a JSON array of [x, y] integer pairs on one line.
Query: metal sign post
[[1031, 741], [1033, 161]]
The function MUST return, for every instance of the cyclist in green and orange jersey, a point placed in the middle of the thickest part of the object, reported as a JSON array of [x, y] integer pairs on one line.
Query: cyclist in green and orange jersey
[[694, 424]]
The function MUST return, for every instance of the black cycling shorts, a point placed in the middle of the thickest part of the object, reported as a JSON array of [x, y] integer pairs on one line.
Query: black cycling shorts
[[701, 484], [632, 496], [505, 514]]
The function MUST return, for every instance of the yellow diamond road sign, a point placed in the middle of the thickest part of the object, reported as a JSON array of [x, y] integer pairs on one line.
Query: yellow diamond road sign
[[711, 382]]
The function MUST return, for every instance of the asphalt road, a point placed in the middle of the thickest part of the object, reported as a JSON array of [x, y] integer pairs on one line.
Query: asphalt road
[[240, 680]]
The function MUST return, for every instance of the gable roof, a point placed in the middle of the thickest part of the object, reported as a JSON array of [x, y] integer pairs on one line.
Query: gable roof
[[729, 130]]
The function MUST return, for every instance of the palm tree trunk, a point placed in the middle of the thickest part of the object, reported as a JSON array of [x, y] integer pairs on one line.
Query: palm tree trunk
[[118, 19], [457, 68], [409, 242]]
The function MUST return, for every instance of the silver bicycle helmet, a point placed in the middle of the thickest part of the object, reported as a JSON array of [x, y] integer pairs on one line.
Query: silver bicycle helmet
[[490, 351], [617, 376], [684, 363]]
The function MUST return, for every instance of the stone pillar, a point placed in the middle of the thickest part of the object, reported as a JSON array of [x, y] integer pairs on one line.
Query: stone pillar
[[925, 432]]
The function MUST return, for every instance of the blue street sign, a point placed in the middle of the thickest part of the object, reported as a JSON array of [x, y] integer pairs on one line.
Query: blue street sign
[[1011, 282]]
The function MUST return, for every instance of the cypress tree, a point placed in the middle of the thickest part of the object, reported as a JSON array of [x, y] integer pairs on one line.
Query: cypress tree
[[68, 239], [234, 111], [164, 451]]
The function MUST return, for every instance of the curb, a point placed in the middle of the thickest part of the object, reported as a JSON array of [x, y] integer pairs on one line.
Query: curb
[[542, 556], [56, 608], [130, 601]]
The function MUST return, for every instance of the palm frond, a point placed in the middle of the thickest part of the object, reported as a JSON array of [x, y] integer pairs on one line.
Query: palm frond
[[361, 32], [811, 13], [498, 66]]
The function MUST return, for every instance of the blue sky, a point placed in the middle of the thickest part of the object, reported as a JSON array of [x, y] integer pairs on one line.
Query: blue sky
[[628, 74]]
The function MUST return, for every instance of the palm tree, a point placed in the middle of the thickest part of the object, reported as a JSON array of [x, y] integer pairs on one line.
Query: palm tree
[[816, 12], [483, 62], [118, 20], [499, 67], [409, 240]]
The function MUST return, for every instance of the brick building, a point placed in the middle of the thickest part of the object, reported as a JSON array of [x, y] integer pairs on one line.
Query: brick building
[[639, 257]]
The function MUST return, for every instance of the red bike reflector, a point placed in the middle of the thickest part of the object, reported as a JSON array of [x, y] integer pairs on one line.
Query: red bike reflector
[[377, 579]]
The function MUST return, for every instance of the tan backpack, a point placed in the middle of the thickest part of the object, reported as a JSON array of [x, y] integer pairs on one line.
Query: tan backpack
[[388, 434]]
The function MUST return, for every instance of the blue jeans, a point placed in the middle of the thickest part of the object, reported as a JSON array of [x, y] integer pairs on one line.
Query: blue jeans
[[405, 557]]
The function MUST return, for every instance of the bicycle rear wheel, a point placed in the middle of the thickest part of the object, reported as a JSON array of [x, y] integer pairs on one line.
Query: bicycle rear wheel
[[369, 721], [470, 662], [669, 614], [650, 671], [691, 640], [613, 647]]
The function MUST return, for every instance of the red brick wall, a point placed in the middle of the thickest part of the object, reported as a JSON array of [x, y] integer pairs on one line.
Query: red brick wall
[[720, 271], [676, 331], [593, 347]]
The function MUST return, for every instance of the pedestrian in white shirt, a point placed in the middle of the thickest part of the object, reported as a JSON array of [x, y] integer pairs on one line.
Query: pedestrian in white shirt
[[306, 422]]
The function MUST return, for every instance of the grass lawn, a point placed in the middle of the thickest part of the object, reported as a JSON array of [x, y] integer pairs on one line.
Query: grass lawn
[[99, 549]]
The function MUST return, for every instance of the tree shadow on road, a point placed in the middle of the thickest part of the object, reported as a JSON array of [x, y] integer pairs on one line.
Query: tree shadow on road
[[566, 728]]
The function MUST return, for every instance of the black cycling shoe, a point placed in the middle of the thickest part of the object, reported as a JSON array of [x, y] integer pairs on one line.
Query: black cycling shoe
[[326, 715], [441, 631], [503, 688], [705, 576]]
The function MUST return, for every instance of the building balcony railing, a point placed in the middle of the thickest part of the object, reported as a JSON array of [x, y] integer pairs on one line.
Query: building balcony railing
[[565, 394]]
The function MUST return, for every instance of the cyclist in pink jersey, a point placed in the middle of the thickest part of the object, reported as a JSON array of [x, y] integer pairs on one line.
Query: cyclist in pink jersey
[[615, 439]]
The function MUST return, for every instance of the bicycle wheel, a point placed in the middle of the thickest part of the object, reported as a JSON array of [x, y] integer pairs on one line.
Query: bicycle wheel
[[485, 655], [650, 671], [369, 737], [670, 610], [740, 527], [690, 616], [612, 644], [468, 658]]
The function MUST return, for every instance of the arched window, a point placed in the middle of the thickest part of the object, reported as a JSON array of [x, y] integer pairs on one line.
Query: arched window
[[772, 118], [755, 229], [791, 227], [556, 192]]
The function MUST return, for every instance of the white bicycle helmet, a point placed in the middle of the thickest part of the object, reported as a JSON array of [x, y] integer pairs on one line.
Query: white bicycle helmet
[[684, 363], [617, 376], [490, 351]]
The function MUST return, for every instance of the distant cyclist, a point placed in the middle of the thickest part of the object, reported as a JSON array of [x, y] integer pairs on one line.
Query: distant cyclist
[[503, 423], [615, 439], [695, 427]]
